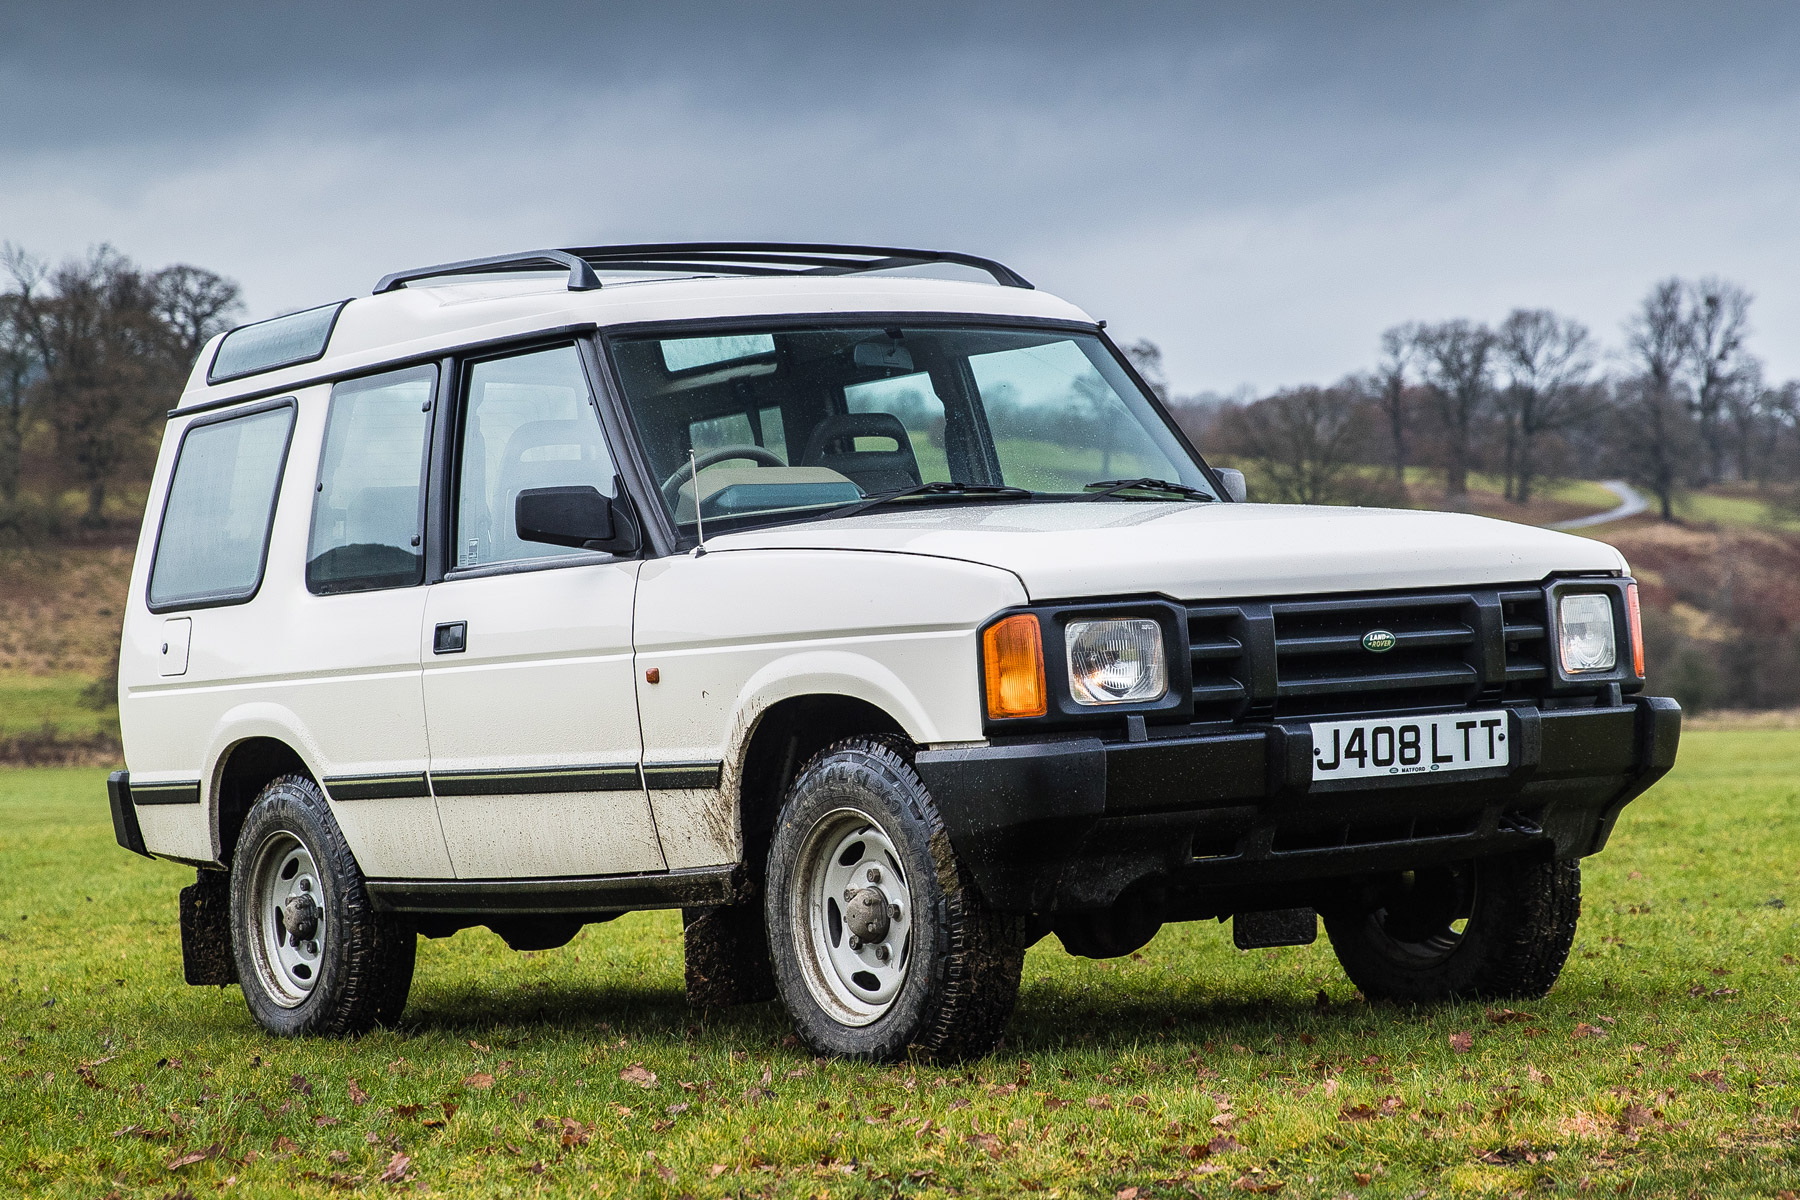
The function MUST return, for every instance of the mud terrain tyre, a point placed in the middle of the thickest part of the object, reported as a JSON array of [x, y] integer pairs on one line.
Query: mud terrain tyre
[[1517, 914], [881, 944], [313, 955]]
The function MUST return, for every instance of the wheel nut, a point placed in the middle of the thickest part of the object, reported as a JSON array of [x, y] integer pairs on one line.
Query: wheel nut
[[881, 952], [855, 942], [312, 947], [306, 885], [874, 874]]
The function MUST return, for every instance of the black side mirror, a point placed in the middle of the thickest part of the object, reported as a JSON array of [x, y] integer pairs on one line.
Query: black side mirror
[[575, 516]]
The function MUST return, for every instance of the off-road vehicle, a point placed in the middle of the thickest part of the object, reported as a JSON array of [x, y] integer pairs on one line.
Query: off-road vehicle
[[882, 623]]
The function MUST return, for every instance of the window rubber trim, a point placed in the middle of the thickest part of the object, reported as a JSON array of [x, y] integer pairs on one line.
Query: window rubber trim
[[223, 599]]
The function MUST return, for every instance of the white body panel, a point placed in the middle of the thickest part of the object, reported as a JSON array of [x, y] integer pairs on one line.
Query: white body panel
[[545, 683], [1195, 551], [730, 635]]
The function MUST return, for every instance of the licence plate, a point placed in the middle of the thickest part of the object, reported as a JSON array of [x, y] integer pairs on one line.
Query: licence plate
[[1410, 746]]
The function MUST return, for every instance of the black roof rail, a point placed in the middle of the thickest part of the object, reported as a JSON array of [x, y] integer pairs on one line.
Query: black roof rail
[[710, 258], [581, 276], [783, 258]]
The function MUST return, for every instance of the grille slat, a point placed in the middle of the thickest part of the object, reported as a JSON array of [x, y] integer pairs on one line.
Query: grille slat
[[1275, 658]]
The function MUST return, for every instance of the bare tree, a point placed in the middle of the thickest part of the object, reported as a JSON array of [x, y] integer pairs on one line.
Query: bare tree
[[1399, 348], [1458, 368], [18, 365], [1547, 361], [1147, 357], [1306, 438], [193, 305], [1718, 319], [1654, 431], [93, 326]]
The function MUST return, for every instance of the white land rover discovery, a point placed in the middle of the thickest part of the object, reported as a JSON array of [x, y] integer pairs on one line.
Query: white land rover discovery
[[883, 624]]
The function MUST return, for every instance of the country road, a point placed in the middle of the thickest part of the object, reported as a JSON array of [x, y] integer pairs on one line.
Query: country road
[[1631, 503]]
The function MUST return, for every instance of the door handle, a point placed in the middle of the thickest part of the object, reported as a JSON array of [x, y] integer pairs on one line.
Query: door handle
[[450, 637]]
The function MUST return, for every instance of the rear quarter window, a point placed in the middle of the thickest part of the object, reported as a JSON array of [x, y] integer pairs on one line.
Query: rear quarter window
[[214, 536]]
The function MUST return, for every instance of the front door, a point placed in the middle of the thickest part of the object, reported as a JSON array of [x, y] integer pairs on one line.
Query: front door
[[532, 715]]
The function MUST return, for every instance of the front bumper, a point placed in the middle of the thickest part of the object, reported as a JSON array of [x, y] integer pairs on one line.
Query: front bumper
[[1231, 821]]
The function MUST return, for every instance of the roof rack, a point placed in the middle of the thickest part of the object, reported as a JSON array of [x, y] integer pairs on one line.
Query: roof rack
[[710, 258]]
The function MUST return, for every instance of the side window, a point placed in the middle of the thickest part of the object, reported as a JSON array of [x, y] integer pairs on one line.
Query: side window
[[369, 508], [214, 536], [527, 423], [910, 404]]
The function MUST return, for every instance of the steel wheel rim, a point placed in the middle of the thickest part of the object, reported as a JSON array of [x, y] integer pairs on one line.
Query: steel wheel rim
[[285, 891], [848, 852]]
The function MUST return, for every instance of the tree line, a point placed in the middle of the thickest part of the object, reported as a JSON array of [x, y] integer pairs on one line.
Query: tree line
[[1679, 403], [93, 351]]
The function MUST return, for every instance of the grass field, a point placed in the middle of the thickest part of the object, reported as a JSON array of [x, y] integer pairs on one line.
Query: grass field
[[1664, 1063]]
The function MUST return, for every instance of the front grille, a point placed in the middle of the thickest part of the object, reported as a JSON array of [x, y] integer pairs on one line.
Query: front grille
[[1280, 658]]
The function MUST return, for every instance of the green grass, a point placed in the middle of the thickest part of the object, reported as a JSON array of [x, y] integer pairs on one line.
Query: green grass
[[111, 1069], [1711, 508], [29, 702]]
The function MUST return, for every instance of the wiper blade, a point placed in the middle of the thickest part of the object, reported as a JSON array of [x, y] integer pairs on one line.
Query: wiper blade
[[1112, 487], [952, 488]]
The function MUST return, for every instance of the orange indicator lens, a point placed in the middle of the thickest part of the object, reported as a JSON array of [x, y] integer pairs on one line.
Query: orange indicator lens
[[1635, 622], [1013, 652]]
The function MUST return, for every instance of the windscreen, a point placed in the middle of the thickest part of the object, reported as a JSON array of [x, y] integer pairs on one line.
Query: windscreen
[[793, 424]]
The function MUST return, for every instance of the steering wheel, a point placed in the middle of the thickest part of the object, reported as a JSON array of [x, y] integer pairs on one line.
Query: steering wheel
[[671, 488]]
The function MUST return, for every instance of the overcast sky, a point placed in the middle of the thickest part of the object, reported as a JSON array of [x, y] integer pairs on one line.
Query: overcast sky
[[1260, 188]]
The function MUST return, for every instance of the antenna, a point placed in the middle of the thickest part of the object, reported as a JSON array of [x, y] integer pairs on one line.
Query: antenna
[[699, 526]]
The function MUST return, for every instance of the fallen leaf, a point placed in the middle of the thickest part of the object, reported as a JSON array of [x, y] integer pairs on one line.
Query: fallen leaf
[[1362, 1178], [480, 1080], [474, 1045], [1634, 1116], [675, 1110], [1099, 1102], [357, 1095], [285, 1145], [986, 1141], [717, 1169], [636, 1073], [300, 1084], [1506, 1016], [397, 1169], [1126, 1193], [1462, 1043], [1357, 1112], [188, 1160], [449, 1110], [340, 1157], [1224, 1143], [1052, 1103], [1249, 1183], [1535, 1075], [407, 1112], [1712, 1079], [1588, 1031], [326, 1122]]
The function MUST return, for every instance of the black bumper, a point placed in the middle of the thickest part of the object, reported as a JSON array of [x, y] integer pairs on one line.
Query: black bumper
[[124, 814], [1231, 821]]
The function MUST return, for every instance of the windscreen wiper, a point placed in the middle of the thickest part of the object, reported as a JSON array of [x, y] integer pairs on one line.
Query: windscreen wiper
[[1112, 487], [952, 488]]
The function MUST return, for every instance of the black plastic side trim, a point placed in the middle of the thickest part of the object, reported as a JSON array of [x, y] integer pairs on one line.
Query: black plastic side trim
[[691, 887], [665, 776], [377, 787], [617, 777], [124, 817], [166, 793]]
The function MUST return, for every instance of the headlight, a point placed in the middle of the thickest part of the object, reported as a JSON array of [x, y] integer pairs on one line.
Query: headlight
[[1116, 662], [1585, 626]]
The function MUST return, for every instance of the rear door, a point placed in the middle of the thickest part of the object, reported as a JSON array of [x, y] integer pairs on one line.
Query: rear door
[[535, 746]]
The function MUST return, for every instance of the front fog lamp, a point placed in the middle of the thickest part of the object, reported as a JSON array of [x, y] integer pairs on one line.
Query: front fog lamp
[[1116, 662], [1585, 627]]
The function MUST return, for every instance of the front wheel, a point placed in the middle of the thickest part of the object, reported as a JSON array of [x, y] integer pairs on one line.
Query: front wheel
[[1496, 928], [313, 955], [879, 939]]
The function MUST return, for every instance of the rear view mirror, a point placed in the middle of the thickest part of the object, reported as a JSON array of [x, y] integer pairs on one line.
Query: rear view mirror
[[575, 516], [1234, 483], [883, 354]]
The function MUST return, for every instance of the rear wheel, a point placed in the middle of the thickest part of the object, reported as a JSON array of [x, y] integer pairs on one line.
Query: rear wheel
[[313, 956], [1497, 928], [879, 940]]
